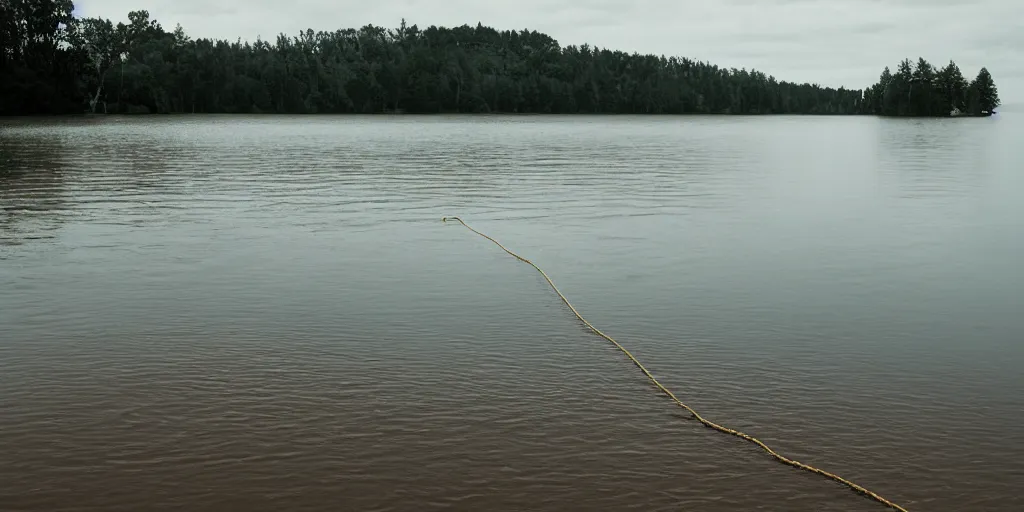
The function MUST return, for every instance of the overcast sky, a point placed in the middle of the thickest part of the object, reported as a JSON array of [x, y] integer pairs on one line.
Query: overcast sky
[[831, 42]]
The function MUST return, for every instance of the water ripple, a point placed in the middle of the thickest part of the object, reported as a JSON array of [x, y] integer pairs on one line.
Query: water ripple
[[264, 313]]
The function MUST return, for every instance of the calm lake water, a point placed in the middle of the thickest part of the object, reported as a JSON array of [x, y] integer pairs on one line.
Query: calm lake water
[[266, 313]]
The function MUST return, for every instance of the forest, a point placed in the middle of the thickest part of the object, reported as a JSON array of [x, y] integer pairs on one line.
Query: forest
[[922, 90], [52, 62]]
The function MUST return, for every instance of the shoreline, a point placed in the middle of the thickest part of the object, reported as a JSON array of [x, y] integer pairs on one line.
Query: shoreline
[[87, 115]]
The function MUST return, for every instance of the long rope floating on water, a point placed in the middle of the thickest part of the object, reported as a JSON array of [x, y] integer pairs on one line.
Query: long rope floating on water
[[707, 423]]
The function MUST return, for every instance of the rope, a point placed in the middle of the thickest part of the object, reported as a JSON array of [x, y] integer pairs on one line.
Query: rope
[[707, 423]]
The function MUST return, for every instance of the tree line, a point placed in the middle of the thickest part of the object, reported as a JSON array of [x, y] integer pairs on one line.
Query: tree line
[[52, 62], [923, 90]]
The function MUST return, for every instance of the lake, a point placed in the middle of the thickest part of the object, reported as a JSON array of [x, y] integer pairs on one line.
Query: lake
[[267, 313]]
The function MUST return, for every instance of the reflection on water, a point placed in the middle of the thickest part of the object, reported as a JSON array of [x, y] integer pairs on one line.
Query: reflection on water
[[31, 190], [912, 149], [265, 313]]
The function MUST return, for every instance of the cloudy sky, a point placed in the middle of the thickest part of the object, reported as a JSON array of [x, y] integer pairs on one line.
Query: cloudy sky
[[832, 42]]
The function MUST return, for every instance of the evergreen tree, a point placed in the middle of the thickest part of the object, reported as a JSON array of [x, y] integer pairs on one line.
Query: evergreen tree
[[983, 93], [903, 88], [924, 99], [952, 88], [875, 96]]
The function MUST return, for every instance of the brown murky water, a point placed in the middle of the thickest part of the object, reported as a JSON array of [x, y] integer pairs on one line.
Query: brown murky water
[[266, 313]]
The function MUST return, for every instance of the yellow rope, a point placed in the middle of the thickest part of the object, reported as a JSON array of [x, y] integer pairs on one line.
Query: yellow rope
[[698, 417]]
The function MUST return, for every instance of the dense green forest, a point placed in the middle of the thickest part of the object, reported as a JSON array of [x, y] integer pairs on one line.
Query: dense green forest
[[923, 90], [52, 62]]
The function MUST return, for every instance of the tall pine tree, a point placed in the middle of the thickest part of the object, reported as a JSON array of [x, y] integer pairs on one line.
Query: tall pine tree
[[952, 88], [983, 94]]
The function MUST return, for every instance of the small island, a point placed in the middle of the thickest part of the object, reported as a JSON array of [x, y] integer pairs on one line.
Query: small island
[[52, 62]]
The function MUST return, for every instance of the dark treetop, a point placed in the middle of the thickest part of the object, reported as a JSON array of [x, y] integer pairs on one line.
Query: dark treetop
[[52, 62]]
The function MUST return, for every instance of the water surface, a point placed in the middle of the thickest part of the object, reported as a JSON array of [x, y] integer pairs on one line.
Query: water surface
[[266, 313]]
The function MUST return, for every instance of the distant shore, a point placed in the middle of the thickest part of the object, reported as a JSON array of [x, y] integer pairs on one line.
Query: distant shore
[[100, 115], [138, 67], [523, 114]]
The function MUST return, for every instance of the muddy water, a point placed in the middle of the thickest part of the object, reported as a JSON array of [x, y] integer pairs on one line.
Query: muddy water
[[266, 313]]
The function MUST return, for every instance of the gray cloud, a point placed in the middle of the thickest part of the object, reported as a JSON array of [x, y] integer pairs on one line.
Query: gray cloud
[[836, 42]]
